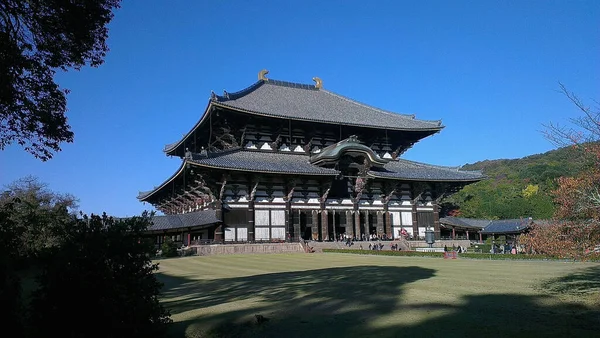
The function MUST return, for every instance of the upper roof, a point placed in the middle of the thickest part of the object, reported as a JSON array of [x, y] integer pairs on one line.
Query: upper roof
[[308, 102]]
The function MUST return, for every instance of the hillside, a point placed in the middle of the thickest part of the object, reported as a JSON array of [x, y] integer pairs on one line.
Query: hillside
[[515, 188]]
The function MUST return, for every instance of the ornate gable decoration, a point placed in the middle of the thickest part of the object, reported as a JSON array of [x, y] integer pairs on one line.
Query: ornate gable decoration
[[350, 146]]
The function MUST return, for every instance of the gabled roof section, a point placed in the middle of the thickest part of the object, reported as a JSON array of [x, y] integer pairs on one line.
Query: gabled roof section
[[332, 153], [414, 171], [307, 102]]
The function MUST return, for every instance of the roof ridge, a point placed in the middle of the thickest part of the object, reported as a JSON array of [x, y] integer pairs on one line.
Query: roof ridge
[[455, 168], [232, 96], [236, 95]]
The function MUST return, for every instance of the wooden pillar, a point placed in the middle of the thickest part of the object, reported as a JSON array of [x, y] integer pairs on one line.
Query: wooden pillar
[[480, 238], [388, 224], [250, 218], [380, 230], [436, 220], [349, 224], [453, 233], [324, 226], [357, 224], [288, 222], [333, 214], [315, 225], [467, 234], [414, 220], [296, 222], [221, 228]]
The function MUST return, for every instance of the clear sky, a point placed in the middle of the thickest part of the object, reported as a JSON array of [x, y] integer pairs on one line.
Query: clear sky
[[488, 69]]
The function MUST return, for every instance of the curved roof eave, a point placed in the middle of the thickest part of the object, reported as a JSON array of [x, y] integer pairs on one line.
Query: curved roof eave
[[144, 196], [169, 148], [423, 179]]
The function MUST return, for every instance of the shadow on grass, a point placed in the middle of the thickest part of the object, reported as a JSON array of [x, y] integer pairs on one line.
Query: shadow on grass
[[582, 282], [326, 302], [357, 302]]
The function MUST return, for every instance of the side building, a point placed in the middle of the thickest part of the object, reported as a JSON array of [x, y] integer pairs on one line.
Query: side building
[[287, 161]]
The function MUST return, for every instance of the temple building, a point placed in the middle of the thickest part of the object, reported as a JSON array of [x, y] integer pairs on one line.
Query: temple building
[[283, 161]]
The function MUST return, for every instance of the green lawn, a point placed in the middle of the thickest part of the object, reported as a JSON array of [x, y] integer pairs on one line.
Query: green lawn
[[343, 295]]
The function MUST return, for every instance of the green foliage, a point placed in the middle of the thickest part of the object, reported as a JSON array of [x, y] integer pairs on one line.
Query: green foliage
[[101, 280], [36, 38], [37, 216], [169, 248], [93, 272], [517, 188]]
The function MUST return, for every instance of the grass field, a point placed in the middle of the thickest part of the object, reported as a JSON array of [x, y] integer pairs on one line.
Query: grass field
[[342, 295]]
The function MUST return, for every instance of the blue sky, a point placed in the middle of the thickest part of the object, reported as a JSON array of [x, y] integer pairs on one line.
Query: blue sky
[[488, 69]]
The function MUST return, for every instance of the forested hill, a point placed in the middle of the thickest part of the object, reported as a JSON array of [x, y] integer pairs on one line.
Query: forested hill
[[515, 188]]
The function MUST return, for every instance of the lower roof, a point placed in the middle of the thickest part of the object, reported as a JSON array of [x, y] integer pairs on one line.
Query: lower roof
[[290, 163], [504, 226], [193, 219]]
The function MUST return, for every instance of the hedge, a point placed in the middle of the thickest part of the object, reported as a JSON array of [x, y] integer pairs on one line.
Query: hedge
[[595, 258]]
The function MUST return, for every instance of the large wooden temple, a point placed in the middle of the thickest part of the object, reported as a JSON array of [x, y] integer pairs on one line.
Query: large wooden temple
[[289, 161]]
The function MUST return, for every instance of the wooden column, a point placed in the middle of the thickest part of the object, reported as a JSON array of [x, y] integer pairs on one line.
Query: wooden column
[[380, 230], [288, 214], [221, 228], [296, 222], [414, 220], [315, 225], [349, 224], [357, 224], [436, 220], [388, 222], [453, 233], [467, 234], [250, 218], [480, 238], [324, 226]]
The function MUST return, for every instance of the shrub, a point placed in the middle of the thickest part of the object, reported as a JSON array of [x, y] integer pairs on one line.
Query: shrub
[[169, 249]]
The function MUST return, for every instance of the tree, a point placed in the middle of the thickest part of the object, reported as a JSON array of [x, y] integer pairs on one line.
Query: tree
[[37, 37], [101, 280], [37, 216], [575, 231]]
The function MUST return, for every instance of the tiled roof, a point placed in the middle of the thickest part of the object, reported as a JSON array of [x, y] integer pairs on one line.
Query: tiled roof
[[465, 222], [306, 102], [262, 161], [188, 220], [507, 226], [415, 171]]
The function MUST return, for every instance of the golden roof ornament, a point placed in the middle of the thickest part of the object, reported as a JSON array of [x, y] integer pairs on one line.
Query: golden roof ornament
[[262, 75], [318, 82]]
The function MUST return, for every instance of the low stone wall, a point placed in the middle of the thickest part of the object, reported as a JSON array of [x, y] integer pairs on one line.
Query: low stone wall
[[440, 243], [239, 249]]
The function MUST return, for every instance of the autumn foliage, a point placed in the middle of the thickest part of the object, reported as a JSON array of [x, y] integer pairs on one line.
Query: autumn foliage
[[575, 230]]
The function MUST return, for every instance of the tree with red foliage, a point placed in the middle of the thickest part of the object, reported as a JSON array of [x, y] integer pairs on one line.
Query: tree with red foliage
[[575, 231]]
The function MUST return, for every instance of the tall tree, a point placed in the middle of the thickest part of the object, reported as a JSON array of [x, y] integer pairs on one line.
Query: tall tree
[[576, 230], [38, 37]]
